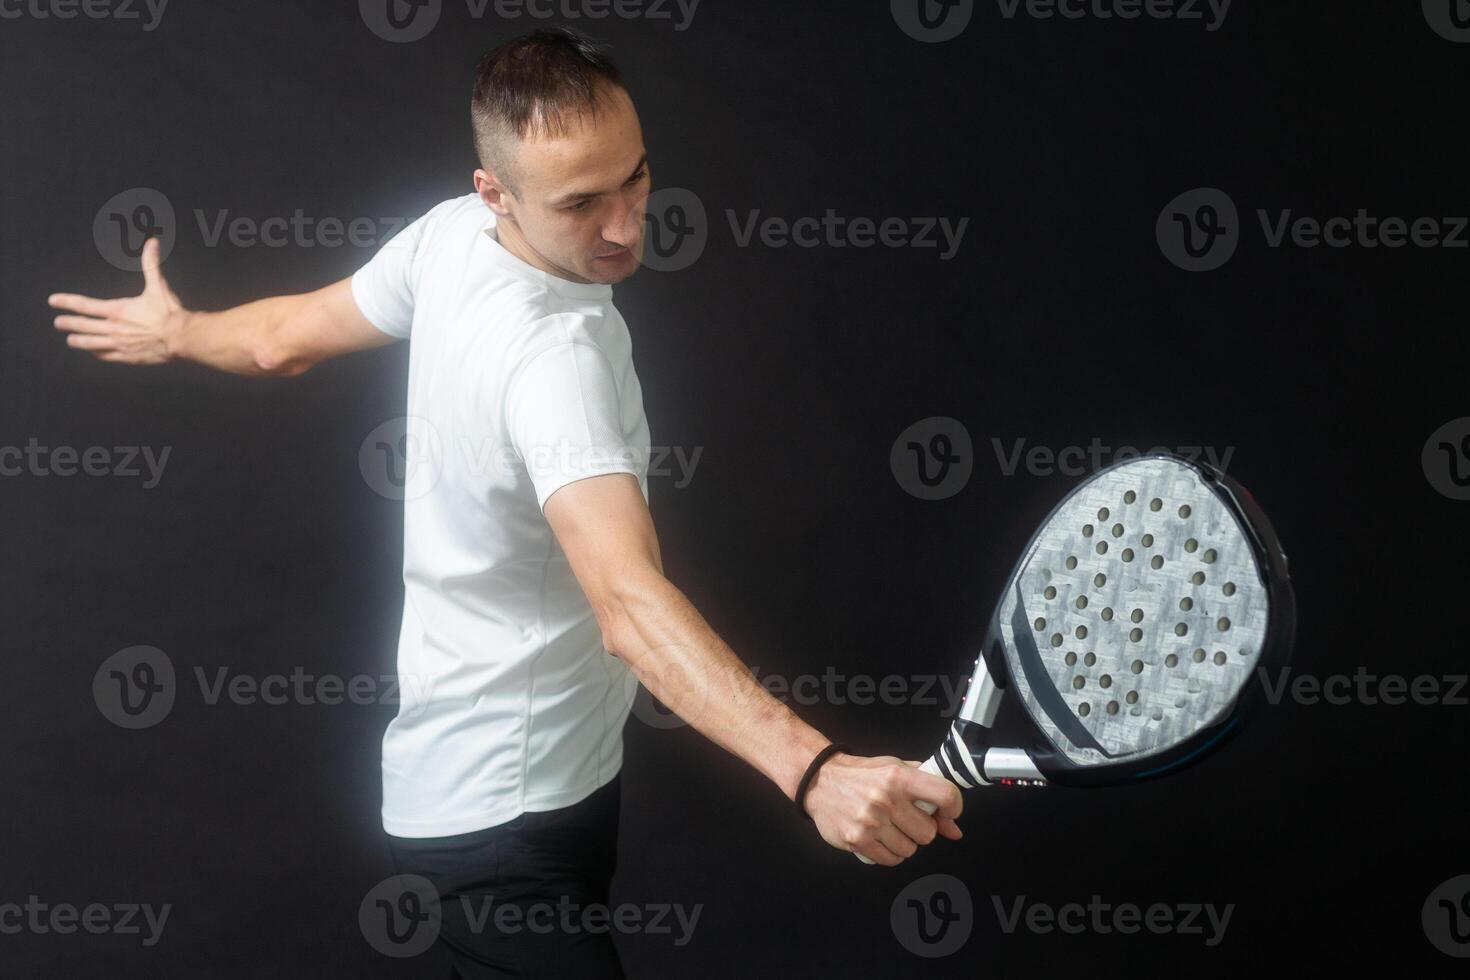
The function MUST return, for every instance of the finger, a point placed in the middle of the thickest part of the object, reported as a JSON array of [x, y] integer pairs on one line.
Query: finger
[[83, 304], [152, 275], [948, 828], [900, 844], [943, 794], [84, 324], [91, 341], [879, 853], [915, 824]]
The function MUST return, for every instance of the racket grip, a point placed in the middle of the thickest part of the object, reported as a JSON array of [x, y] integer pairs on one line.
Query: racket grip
[[931, 767]]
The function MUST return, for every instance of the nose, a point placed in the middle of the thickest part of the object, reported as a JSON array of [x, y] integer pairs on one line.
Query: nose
[[627, 230]]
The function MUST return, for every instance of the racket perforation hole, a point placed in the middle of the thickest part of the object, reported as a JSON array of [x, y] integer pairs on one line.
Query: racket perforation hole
[[1198, 578], [1078, 682], [1136, 615], [1172, 660], [1050, 592], [1081, 632], [1084, 708], [1107, 614], [1070, 659], [1158, 714], [1040, 624], [1071, 562], [1112, 707], [1199, 655], [1184, 511], [1180, 629], [1220, 657], [1157, 562], [1209, 556], [1082, 602], [1147, 540], [1105, 681], [1136, 666], [1117, 530], [1228, 588], [1090, 658], [1135, 634], [1132, 698], [1102, 547], [1087, 530], [1099, 580], [1191, 546], [1129, 497], [1127, 554], [1156, 504], [1102, 514], [1223, 624], [1056, 639], [1186, 604]]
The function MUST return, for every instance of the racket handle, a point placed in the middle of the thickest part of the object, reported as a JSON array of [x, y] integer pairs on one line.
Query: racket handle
[[931, 767]]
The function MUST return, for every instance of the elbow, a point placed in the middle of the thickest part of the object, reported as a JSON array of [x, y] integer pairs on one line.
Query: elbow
[[616, 609], [275, 359], [612, 620]]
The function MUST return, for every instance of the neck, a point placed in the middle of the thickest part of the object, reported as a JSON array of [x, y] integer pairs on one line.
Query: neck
[[508, 233]]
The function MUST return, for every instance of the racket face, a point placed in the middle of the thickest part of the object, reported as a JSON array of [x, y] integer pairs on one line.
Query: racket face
[[1133, 624]]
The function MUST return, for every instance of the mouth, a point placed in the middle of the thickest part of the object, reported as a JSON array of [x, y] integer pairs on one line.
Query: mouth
[[615, 254]]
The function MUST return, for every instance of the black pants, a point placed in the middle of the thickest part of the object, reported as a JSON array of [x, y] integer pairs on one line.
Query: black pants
[[554, 867]]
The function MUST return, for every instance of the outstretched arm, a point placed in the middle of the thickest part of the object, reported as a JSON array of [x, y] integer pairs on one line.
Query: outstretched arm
[[859, 804], [282, 335]]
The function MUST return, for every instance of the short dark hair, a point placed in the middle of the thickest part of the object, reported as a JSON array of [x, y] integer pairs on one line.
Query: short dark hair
[[534, 84]]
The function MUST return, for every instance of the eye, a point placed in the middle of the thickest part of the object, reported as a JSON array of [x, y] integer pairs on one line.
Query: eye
[[638, 176], [579, 206]]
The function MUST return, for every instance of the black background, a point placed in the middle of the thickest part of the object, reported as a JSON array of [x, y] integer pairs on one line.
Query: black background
[[1059, 321]]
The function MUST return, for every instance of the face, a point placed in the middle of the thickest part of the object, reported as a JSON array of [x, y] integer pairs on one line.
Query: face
[[578, 210]]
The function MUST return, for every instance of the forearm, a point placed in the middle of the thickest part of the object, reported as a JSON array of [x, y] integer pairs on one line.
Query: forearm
[[674, 653], [241, 340]]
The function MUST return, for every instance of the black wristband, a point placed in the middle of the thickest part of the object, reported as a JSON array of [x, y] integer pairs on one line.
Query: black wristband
[[811, 773]]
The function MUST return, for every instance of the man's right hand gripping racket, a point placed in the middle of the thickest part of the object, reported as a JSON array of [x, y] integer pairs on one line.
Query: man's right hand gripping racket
[[1129, 632]]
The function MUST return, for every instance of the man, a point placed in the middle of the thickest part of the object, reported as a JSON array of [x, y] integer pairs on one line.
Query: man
[[535, 595]]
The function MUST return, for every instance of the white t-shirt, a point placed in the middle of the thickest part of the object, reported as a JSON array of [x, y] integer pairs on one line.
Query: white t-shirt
[[519, 383]]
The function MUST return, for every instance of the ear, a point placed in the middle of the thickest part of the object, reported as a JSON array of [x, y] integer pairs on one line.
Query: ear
[[491, 192]]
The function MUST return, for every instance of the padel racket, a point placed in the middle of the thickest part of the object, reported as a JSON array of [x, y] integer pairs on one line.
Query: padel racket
[[1128, 632]]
